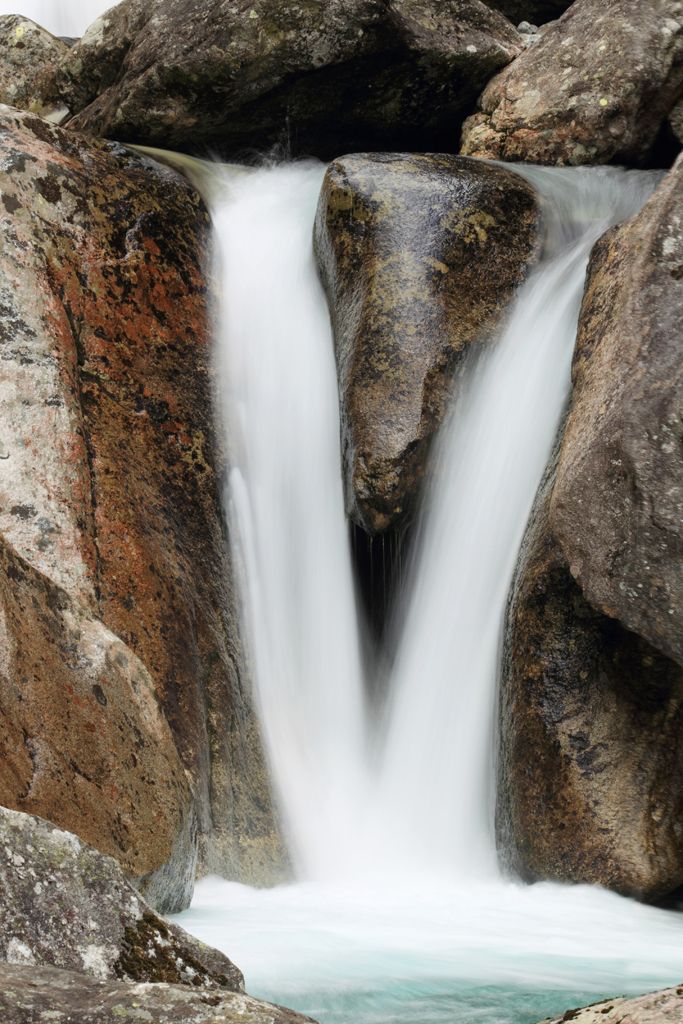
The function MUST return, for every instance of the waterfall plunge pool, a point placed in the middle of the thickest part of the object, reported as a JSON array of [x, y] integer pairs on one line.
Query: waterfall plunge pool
[[395, 950]]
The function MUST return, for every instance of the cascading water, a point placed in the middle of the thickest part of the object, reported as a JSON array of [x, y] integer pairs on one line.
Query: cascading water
[[407, 917], [286, 506], [435, 798]]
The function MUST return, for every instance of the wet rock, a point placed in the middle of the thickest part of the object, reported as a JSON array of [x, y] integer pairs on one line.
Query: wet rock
[[664, 1007], [419, 256], [30, 994], [596, 88], [590, 785], [617, 506], [318, 77], [66, 905], [109, 504], [26, 52], [676, 122], [591, 765]]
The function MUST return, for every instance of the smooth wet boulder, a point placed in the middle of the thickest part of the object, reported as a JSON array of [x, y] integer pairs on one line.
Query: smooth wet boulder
[[596, 88], [419, 256], [321, 77], [66, 905], [30, 994], [590, 785], [617, 505], [591, 765], [26, 52], [116, 557], [663, 1007]]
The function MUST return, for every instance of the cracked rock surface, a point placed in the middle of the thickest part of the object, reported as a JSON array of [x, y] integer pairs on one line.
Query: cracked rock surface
[[112, 544]]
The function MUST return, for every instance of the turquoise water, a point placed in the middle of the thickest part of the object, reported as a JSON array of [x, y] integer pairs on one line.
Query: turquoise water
[[393, 951]]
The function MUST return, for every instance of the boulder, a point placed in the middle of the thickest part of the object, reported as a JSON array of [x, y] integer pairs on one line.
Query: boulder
[[590, 785], [30, 994], [27, 51], [321, 77], [617, 505], [66, 905], [419, 256], [116, 557], [596, 88], [664, 1007], [591, 766]]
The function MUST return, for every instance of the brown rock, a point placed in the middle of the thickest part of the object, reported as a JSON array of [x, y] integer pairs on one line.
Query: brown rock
[[66, 905], [109, 484], [28, 994], [617, 506], [419, 256], [26, 52], [591, 768], [590, 785], [595, 88], [323, 77], [664, 1007]]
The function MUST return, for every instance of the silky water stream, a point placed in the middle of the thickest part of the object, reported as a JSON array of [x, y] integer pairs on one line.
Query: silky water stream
[[401, 913]]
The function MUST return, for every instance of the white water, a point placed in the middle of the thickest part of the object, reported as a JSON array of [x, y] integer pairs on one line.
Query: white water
[[286, 506], [436, 797], [423, 798], [68, 18], [405, 917]]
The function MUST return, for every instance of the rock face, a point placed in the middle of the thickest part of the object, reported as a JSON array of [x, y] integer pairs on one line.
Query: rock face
[[29, 994], [596, 88], [617, 506], [591, 766], [590, 784], [419, 256], [27, 51], [323, 77], [114, 555], [66, 905], [665, 1007]]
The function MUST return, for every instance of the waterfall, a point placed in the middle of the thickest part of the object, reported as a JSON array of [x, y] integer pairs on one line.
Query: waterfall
[[406, 917], [414, 792], [286, 507], [436, 795]]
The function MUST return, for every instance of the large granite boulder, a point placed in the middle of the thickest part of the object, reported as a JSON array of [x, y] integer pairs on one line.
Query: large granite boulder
[[323, 77], [590, 785], [115, 558], [595, 88], [31, 994], [664, 1007], [66, 905], [617, 506], [591, 766], [26, 52], [419, 256]]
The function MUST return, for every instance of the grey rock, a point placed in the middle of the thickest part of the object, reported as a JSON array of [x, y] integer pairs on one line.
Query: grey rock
[[419, 256], [31, 994], [595, 88], [66, 905], [323, 77], [26, 52], [617, 505], [663, 1007]]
